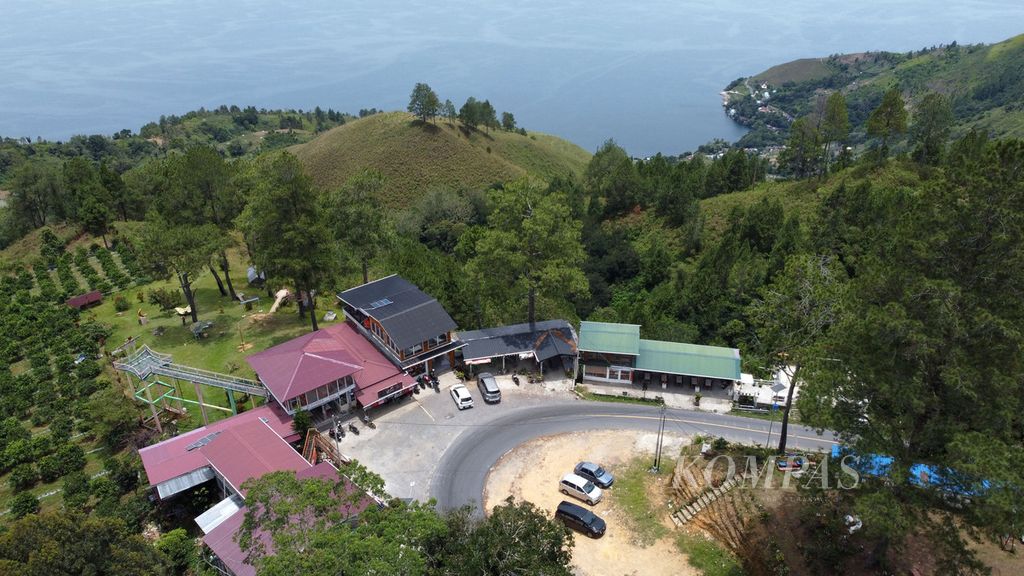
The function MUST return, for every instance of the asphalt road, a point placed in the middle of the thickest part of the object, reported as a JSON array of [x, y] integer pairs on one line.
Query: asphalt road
[[463, 469]]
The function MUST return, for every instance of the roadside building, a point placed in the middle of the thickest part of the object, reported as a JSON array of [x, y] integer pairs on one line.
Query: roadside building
[[226, 454], [615, 354], [332, 367], [407, 325], [543, 346]]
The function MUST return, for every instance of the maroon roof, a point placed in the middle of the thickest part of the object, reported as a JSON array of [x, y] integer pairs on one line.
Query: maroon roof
[[251, 450], [310, 361], [172, 458], [85, 299], [221, 540]]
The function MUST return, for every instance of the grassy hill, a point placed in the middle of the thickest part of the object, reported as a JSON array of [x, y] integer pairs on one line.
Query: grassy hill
[[984, 83], [414, 157]]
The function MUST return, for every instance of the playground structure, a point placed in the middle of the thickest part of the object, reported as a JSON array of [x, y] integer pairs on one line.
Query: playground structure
[[280, 297], [148, 366]]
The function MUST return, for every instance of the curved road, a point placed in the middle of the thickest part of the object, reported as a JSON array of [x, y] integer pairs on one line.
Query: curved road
[[463, 469]]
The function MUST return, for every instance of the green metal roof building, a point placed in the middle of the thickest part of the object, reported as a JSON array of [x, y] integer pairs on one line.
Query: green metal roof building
[[612, 352], [608, 338], [689, 360]]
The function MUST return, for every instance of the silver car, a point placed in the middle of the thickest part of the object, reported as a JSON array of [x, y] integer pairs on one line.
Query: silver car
[[489, 387]]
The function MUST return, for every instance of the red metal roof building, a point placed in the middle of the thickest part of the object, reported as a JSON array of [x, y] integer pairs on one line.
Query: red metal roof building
[[221, 539], [194, 457], [85, 300], [332, 364]]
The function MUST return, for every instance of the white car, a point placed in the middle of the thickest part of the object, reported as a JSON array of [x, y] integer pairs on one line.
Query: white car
[[460, 394], [579, 487]]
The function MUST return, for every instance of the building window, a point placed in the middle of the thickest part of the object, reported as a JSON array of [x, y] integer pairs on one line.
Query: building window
[[438, 340]]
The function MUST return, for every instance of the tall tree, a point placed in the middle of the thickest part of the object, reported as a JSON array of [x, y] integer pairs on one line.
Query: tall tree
[[423, 102], [802, 153], [179, 249], [199, 187], [37, 192], [531, 249], [286, 229], [448, 109], [508, 121], [925, 361], [358, 219], [470, 113], [834, 128], [888, 121], [932, 122], [792, 315]]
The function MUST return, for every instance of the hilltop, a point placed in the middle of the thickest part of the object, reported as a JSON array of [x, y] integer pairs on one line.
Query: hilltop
[[983, 83], [414, 157]]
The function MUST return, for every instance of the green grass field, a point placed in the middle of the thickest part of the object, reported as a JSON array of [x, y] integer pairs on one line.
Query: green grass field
[[415, 157], [222, 350], [631, 494]]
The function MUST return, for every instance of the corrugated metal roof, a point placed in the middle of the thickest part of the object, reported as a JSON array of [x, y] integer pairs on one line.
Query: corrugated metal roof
[[220, 512], [610, 338], [689, 359], [250, 451], [172, 458], [184, 482], [305, 363], [544, 339], [409, 315]]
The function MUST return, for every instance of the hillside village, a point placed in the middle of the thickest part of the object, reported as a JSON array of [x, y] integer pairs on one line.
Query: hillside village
[[252, 342]]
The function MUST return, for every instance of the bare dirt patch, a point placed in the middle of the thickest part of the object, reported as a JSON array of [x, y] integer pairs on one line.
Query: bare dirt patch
[[531, 472]]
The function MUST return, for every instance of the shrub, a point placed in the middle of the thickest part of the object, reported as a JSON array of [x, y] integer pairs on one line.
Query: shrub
[[23, 477], [121, 303], [23, 504], [165, 299]]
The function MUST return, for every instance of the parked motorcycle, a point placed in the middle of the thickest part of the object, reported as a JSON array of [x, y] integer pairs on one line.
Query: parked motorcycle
[[369, 423], [515, 379], [352, 428]]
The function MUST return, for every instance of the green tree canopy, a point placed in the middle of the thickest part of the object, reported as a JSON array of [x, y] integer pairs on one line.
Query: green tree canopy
[[888, 121], [286, 229], [359, 220], [69, 543], [932, 122], [423, 102], [530, 251]]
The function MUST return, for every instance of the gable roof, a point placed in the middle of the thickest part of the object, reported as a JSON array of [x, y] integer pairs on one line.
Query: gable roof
[[251, 450], [303, 364], [409, 315], [221, 539], [85, 299], [610, 338], [689, 359], [179, 456], [544, 339]]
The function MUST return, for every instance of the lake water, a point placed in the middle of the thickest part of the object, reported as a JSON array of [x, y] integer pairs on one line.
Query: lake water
[[646, 73]]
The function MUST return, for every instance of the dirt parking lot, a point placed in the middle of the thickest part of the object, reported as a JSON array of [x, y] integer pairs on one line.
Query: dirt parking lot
[[531, 472]]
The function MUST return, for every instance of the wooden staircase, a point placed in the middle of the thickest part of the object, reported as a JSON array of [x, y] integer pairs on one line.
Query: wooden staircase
[[318, 448], [706, 498]]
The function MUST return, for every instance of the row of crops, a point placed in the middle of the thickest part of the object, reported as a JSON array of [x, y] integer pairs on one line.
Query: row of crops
[[80, 272]]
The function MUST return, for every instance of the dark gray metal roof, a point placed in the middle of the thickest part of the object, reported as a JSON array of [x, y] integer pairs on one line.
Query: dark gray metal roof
[[408, 314], [546, 339]]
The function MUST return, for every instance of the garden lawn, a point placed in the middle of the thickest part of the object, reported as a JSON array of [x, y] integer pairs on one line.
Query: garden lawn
[[222, 350]]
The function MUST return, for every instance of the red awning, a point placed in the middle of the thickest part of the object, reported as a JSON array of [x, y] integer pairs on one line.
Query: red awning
[[370, 396]]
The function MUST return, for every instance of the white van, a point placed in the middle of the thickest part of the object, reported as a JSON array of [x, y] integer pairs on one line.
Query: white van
[[579, 487]]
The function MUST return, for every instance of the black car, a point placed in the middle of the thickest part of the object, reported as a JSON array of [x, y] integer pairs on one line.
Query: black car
[[580, 519]]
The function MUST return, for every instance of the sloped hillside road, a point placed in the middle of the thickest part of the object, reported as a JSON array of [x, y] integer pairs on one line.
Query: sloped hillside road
[[463, 468]]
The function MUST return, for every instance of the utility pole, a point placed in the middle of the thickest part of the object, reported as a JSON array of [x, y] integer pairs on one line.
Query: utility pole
[[658, 446]]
